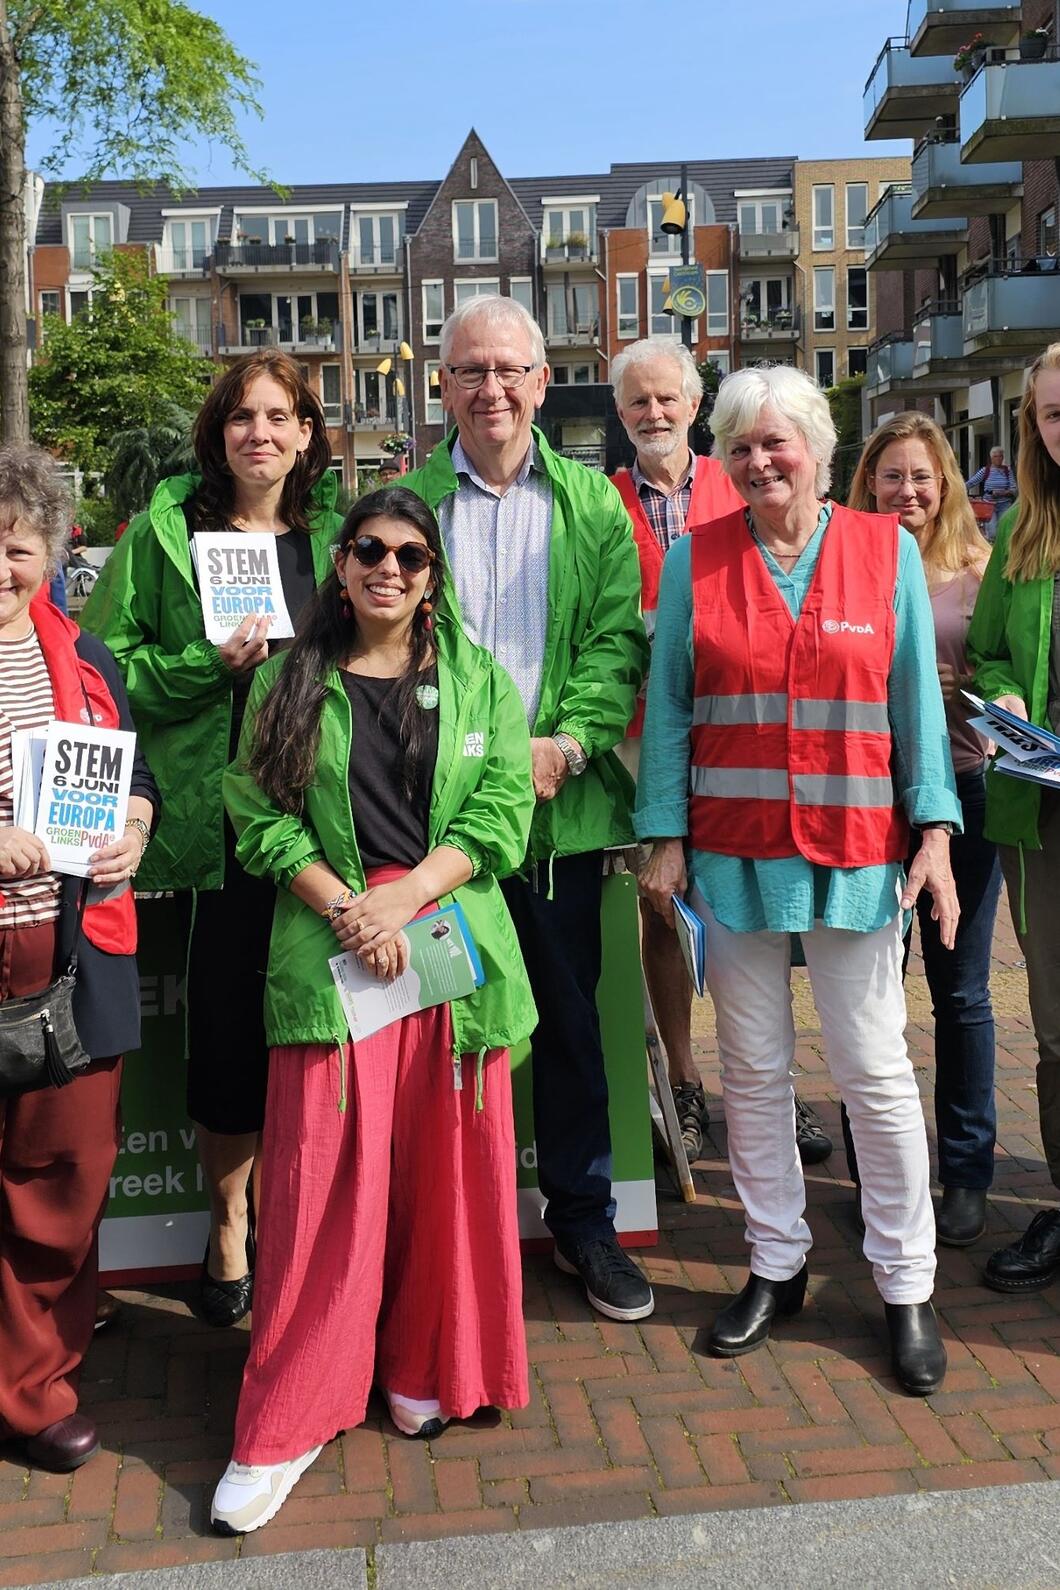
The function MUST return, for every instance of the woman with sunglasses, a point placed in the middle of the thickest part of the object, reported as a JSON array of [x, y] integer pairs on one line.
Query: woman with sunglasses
[[264, 457], [384, 767], [908, 468]]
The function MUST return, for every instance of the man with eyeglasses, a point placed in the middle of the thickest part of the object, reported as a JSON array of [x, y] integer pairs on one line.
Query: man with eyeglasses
[[547, 579]]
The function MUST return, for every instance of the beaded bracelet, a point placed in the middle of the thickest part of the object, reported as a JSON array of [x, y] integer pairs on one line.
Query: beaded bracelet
[[334, 908]]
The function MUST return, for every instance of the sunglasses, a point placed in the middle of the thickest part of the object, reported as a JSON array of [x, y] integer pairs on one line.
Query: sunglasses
[[412, 556]]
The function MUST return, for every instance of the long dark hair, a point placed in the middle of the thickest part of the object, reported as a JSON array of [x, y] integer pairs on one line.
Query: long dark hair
[[287, 733], [215, 497]]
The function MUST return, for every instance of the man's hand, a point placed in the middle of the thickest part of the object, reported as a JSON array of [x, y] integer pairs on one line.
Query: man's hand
[[549, 767], [1014, 704], [248, 645], [664, 875], [22, 854], [953, 682], [930, 869]]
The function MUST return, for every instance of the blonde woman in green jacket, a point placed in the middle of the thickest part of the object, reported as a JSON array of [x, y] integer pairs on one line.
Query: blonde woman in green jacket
[[1014, 644], [264, 457], [384, 767]]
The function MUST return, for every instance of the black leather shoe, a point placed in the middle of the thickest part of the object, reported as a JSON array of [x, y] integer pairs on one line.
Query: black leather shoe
[[64, 1445], [811, 1139], [745, 1324], [1030, 1263], [224, 1303], [961, 1216], [918, 1357]]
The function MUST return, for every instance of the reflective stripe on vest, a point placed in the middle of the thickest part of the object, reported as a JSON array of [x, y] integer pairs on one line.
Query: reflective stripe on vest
[[790, 738]]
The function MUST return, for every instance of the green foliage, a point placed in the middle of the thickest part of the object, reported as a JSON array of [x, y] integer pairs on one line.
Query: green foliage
[[844, 400], [146, 454], [117, 367], [98, 518], [701, 435], [126, 81]]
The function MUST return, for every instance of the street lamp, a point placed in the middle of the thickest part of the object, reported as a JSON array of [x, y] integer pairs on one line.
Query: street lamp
[[383, 368], [675, 223]]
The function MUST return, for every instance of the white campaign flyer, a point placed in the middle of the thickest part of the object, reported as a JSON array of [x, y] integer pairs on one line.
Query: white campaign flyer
[[27, 768], [239, 576], [443, 965], [84, 792]]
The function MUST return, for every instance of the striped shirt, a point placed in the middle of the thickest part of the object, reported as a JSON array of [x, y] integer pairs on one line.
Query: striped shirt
[[667, 515], [25, 703], [498, 550]]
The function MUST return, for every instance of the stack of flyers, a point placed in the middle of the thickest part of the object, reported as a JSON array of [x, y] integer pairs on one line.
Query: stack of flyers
[[692, 937], [239, 577], [443, 965], [1029, 752], [71, 789]]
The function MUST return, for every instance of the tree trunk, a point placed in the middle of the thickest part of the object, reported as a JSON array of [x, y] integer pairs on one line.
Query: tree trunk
[[14, 401]]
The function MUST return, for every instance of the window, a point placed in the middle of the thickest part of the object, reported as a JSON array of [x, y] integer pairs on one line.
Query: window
[[1047, 231], [763, 299], [51, 303], [89, 235], [857, 298], [571, 310], [372, 401], [627, 306], [824, 216], [377, 239], [324, 226], [719, 358], [187, 244], [472, 173], [462, 291], [717, 303], [571, 224], [521, 288], [191, 320], [762, 215], [666, 242], [660, 324], [824, 298], [858, 361], [433, 412], [574, 374], [433, 309], [825, 360], [379, 319], [79, 301], [857, 210], [475, 229], [331, 392]]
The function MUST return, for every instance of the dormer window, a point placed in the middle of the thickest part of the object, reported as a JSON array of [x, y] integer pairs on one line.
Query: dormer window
[[90, 236]]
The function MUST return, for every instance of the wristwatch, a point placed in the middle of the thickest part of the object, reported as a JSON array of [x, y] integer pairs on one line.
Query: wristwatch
[[573, 755], [947, 828]]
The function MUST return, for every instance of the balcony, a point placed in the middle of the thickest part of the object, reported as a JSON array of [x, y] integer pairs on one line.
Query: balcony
[[770, 245], [894, 241], [364, 419], [1011, 111], [781, 325], [284, 336], [200, 337], [890, 366], [939, 364], [943, 186], [1013, 309], [903, 95], [583, 335], [379, 260], [182, 261], [940, 27], [250, 259], [566, 254]]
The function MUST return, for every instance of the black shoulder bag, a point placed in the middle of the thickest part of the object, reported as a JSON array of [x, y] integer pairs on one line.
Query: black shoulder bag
[[39, 1046]]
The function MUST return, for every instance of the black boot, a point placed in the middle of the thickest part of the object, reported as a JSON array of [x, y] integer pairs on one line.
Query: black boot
[[961, 1216], [918, 1357], [1031, 1262], [744, 1325]]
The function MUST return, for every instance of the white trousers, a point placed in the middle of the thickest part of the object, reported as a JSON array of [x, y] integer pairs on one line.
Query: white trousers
[[857, 987]]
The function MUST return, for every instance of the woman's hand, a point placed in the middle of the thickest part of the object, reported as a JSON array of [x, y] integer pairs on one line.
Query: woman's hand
[[22, 854], [248, 645], [117, 863], [375, 918], [953, 682], [664, 875], [930, 869], [1014, 704], [389, 960]]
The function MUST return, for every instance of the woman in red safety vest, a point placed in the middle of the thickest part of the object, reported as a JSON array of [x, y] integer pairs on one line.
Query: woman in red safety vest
[[795, 731]]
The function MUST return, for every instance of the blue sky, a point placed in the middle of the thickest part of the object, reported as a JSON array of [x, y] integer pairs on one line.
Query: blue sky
[[372, 92]]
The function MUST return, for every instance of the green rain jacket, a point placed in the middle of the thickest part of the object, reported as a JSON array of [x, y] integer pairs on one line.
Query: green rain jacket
[[596, 650], [481, 802], [145, 606], [1008, 646]]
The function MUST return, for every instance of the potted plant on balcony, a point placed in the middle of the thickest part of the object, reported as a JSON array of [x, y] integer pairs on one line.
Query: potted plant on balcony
[[397, 442], [255, 332], [970, 56], [324, 329], [782, 319], [554, 248], [308, 329], [577, 245], [1033, 45]]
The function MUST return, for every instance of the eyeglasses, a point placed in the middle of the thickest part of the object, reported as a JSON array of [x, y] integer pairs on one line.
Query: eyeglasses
[[921, 480], [412, 556], [470, 376]]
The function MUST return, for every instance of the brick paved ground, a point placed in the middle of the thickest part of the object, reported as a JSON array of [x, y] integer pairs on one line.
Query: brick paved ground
[[625, 1422]]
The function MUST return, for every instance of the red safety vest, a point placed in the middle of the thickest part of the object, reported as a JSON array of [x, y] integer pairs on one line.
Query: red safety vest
[[713, 494], [790, 739]]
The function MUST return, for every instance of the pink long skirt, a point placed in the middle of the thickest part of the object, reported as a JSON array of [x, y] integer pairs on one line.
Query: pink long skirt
[[389, 1242]]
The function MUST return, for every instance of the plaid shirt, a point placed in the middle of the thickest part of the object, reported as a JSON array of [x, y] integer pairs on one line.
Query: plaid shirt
[[666, 515]]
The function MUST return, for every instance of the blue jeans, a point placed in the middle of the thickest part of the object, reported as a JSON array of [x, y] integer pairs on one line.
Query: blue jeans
[[959, 980]]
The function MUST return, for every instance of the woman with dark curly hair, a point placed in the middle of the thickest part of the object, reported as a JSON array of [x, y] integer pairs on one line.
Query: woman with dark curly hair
[[263, 453]]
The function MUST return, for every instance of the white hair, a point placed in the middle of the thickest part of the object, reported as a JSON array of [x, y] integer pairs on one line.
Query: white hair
[[494, 311], [793, 394], [649, 348]]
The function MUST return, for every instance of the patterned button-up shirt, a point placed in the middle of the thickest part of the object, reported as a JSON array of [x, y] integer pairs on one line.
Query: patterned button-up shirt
[[498, 550], [667, 515]]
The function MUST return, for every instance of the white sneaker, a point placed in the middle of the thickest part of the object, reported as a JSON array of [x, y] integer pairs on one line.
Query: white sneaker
[[413, 1417], [249, 1494]]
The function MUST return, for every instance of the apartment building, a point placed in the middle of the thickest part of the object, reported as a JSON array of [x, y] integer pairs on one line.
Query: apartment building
[[965, 254], [355, 280]]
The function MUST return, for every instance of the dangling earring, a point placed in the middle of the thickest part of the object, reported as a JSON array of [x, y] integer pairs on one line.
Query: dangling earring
[[427, 608], [344, 598]]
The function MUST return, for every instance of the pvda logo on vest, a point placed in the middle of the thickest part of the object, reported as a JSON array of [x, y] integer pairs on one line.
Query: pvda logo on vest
[[835, 626]]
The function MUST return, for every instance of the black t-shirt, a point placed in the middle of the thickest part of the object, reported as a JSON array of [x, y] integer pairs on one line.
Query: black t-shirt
[[391, 827]]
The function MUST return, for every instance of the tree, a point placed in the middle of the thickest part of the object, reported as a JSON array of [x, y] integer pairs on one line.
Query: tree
[[702, 436], [126, 82], [118, 366], [844, 400], [146, 454]]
